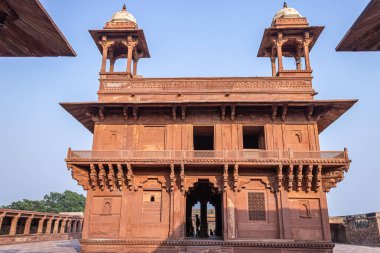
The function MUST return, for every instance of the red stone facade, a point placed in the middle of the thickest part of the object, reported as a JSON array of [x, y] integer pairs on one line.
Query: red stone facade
[[247, 146], [18, 226]]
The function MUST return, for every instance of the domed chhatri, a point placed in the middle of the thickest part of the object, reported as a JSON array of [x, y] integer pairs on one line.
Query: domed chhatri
[[122, 19], [287, 12]]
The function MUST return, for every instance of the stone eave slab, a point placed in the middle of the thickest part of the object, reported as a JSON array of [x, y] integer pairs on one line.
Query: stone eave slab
[[332, 109]]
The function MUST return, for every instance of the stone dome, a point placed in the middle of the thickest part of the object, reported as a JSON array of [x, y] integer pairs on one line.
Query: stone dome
[[287, 12], [123, 16]]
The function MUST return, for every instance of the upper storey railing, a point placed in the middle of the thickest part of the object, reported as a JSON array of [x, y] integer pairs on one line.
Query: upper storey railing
[[241, 155]]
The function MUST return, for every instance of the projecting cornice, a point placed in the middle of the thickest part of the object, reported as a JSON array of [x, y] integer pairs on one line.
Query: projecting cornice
[[323, 112]]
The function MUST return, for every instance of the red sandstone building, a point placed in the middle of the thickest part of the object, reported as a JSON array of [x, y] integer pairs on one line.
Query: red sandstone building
[[247, 146]]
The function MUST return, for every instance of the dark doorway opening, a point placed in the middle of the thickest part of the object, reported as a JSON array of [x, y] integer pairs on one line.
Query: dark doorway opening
[[203, 137], [253, 137], [204, 211]]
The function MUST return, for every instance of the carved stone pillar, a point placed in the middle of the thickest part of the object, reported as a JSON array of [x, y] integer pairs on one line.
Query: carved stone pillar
[[56, 224], [75, 226], [135, 62], [1, 219], [204, 226], [14, 222], [48, 226], [112, 65], [27, 225], [273, 63], [79, 226], [41, 225], [279, 44], [105, 54], [63, 226], [69, 226], [306, 50], [298, 63]]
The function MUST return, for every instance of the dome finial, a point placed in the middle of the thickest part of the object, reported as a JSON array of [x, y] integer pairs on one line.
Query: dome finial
[[285, 5], [124, 7]]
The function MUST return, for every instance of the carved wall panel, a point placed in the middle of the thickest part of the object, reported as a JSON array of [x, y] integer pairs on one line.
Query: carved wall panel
[[297, 137], [151, 211], [305, 218], [153, 138], [105, 216], [256, 213], [109, 137]]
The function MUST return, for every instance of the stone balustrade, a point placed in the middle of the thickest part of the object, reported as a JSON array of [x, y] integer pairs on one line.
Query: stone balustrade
[[17, 226]]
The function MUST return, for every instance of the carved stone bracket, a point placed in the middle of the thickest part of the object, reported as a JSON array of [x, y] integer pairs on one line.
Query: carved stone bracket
[[310, 111], [284, 112], [236, 177], [308, 177], [233, 112], [111, 177], [172, 177], [129, 177], [279, 176], [93, 177], [183, 112], [225, 177], [135, 112], [298, 177], [102, 177], [125, 113], [182, 178], [223, 112], [174, 113], [101, 113], [274, 112], [290, 178], [120, 176]]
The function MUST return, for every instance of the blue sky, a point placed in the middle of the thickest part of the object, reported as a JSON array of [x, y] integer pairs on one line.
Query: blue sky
[[185, 38]]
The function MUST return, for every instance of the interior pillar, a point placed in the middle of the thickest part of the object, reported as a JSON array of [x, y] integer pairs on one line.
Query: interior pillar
[[204, 226]]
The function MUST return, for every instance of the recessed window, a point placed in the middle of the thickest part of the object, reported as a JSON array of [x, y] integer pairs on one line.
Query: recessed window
[[152, 198], [253, 137], [203, 137]]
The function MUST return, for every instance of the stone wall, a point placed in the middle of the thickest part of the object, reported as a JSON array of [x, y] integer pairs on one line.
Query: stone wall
[[361, 229]]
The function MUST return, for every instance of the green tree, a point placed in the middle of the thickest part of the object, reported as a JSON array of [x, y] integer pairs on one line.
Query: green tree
[[56, 202]]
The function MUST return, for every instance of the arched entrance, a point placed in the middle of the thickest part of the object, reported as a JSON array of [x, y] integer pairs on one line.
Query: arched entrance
[[205, 218]]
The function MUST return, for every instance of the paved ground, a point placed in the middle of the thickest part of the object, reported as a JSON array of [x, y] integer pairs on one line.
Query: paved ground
[[73, 247]]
